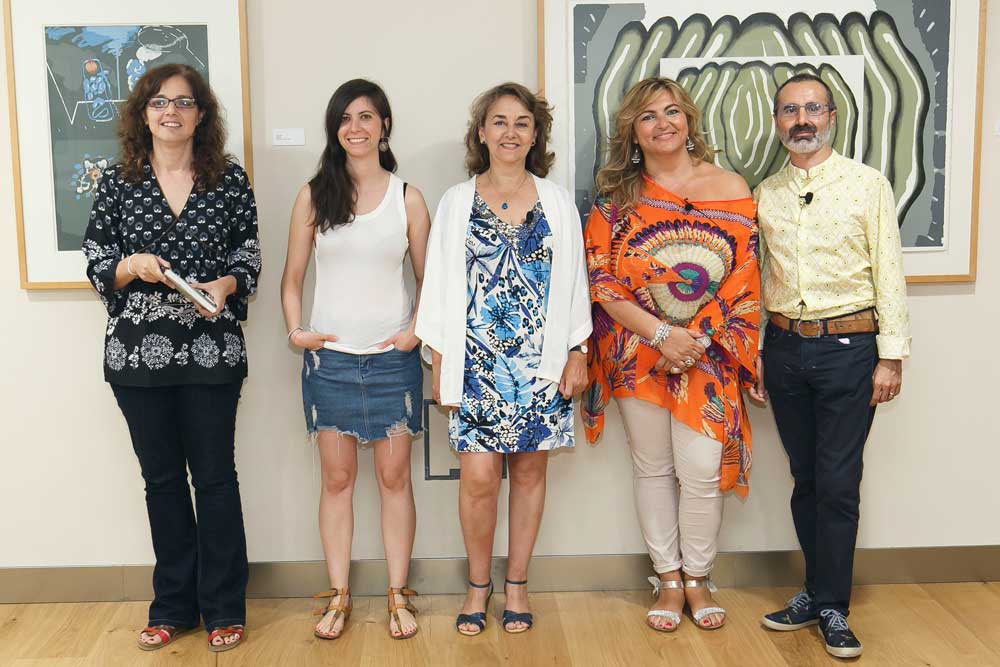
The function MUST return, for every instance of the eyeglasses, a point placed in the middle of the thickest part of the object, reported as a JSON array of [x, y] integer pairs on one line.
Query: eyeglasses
[[181, 103], [812, 109]]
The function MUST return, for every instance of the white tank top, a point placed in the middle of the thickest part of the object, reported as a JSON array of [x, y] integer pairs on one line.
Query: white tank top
[[360, 295]]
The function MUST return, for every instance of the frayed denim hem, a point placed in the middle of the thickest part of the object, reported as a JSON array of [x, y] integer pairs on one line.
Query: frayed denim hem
[[399, 428]]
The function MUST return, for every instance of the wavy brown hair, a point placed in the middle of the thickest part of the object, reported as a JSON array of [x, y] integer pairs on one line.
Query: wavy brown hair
[[539, 159], [210, 157], [620, 178]]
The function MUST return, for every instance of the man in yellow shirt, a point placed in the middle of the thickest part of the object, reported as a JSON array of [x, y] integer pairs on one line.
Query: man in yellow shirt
[[832, 283]]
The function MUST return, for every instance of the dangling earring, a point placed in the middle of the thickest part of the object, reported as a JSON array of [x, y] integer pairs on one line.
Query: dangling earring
[[636, 155], [383, 144], [689, 145]]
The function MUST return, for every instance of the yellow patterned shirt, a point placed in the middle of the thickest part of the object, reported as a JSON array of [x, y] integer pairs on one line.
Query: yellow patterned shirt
[[836, 255]]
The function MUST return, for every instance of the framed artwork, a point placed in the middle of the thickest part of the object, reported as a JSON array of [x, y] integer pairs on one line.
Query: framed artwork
[[906, 77], [440, 460], [70, 68]]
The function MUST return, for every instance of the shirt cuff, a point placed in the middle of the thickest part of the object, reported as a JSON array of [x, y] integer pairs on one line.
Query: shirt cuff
[[243, 286], [893, 347]]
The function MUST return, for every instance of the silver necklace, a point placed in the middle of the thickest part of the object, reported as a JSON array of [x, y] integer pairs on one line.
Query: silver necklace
[[505, 198]]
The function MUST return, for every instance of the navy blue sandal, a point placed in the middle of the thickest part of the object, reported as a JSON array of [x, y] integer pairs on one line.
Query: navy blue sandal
[[515, 616], [479, 618]]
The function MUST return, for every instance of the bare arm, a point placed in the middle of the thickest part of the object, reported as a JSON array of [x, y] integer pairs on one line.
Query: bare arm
[[418, 227], [680, 345], [631, 316], [436, 378], [300, 242]]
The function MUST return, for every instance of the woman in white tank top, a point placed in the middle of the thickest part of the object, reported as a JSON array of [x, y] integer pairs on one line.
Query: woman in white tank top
[[361, 378]]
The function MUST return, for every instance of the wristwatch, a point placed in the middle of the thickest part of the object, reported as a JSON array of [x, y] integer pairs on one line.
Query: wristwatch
[[582, 347]]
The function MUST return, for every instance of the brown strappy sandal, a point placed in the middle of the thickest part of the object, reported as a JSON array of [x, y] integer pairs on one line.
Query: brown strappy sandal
[[341, 608], [394, 610]]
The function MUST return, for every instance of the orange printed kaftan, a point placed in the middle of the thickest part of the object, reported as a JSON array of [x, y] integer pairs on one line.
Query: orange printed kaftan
[[692, 265]]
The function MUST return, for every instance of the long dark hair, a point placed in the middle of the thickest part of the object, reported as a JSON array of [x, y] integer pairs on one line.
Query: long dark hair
[[209, 135], [334, 194]]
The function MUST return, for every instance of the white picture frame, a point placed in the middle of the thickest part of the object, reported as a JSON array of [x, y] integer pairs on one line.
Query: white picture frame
[[47, 261], [946, 201]]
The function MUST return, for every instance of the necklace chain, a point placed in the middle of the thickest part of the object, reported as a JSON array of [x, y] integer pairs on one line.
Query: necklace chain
[[505, 198]]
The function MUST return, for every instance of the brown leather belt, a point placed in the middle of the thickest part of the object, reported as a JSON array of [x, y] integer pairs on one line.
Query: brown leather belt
[[860, 322]]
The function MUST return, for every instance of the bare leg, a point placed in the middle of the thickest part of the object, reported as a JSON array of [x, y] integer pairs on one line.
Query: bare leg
[[399, 516], [338, 454], [478, 490], [527, 501]]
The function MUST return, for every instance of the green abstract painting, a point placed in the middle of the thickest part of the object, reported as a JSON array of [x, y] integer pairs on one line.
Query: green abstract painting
[[886, 61]]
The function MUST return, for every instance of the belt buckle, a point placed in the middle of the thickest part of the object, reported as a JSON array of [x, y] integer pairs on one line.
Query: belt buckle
[[818, 323]]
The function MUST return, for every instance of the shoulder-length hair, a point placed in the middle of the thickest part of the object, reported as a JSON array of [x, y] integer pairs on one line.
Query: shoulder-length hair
[[136, 141], [539, 159], [334, 193], [620, 179]]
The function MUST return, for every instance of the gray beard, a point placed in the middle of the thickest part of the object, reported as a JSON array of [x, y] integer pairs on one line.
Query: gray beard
[[806, 146]]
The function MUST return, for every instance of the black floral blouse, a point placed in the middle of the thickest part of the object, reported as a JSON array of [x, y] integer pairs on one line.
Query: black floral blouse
[[155, 337]]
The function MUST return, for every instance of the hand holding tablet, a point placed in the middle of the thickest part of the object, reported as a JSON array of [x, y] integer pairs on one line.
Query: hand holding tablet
[[194, 295]]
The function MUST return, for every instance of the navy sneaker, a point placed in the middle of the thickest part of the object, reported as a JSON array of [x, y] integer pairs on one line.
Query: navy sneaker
[[800, 612], [840, 641]]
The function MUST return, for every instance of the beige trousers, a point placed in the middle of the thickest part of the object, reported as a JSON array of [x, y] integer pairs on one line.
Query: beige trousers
[[680, 525]]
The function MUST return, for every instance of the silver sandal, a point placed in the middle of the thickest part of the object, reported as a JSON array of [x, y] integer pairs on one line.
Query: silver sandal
[[671, 616], [700, 615]]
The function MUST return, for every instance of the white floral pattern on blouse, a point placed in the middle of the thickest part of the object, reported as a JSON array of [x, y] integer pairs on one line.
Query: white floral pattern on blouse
[[153, 333]]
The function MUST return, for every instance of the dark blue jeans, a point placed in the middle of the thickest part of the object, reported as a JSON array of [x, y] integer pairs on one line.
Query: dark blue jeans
[[820, 389], [201, 565]]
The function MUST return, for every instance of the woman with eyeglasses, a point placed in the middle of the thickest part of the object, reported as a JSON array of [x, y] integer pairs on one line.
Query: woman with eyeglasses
[[672, 251], [175, 200]]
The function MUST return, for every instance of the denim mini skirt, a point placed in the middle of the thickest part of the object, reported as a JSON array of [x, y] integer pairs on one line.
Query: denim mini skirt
[[368, 396]]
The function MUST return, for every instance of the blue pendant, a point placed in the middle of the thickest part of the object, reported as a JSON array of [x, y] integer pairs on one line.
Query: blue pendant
[[504, 206]]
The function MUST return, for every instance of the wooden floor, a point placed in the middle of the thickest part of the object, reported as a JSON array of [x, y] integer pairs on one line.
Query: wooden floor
[[935, 624]]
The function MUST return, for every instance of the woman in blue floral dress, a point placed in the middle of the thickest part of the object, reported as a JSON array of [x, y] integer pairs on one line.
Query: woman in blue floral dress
[[505, 408], [505, 312]]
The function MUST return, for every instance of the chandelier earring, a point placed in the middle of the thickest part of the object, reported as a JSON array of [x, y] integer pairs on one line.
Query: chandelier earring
[[383, 144], [689, 145], [636, 155]]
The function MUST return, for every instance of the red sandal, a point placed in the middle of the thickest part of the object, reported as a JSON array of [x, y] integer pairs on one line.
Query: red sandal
[[228, 631], [166, 633]]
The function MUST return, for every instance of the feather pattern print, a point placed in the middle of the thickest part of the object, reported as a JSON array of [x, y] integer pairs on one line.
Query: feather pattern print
[[694, 267]]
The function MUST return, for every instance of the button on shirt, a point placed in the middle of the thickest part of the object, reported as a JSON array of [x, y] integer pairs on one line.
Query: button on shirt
[[838, 254]]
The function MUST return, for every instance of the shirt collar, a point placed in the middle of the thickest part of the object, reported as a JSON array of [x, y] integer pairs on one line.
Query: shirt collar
[[823, 167]]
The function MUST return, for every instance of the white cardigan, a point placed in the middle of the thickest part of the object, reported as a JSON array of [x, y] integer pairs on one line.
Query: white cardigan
[[441, 320]]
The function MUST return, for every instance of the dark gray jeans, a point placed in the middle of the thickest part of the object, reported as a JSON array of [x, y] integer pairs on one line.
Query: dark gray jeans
[[819, 390], [201, 565]]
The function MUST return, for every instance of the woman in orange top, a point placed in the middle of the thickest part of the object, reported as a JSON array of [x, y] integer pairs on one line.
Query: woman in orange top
[[672, 255]]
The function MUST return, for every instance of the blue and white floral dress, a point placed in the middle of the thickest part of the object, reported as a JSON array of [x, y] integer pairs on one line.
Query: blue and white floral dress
[[505, 408]]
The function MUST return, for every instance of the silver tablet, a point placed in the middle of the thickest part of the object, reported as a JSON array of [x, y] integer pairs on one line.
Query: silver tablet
[[190, 293]]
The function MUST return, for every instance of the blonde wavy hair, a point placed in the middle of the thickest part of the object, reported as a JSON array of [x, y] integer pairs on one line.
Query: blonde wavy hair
[[620, 179]]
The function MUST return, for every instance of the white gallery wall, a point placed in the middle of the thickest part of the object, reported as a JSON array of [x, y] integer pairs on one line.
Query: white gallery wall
[[70, 490]]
